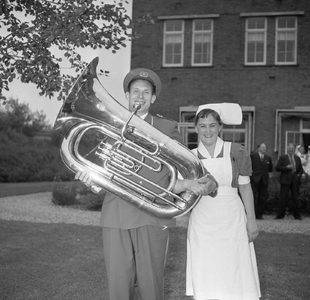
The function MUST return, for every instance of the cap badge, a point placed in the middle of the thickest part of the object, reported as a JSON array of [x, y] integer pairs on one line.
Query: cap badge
[[144, 74]]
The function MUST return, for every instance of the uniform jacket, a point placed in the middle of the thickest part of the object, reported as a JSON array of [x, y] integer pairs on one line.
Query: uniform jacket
[[286, 173], [261, 168], [118, 213]]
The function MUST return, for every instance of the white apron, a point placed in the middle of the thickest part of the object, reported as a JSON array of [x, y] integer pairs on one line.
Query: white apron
[[221, 264]]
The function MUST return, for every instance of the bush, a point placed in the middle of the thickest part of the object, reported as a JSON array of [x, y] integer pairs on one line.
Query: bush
[[64, 193], [77, 194], [43, 175], [304, 195], [19, 174], [274, 195], [63, 174]]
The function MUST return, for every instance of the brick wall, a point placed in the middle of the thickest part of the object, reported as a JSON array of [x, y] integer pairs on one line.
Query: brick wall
[[267, 87]]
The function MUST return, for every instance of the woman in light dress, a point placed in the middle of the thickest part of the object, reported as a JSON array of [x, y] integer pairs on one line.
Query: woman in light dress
[[300, 151], [221, 261], [305, 159]]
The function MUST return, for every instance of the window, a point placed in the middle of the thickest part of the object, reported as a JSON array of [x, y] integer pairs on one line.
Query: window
[[255, 41], [202, 42], [305, 125], [286, 40], [173, 43], [292, 126]]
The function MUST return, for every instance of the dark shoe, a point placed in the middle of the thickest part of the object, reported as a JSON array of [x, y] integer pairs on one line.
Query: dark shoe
[[298, 218], [277, 218]]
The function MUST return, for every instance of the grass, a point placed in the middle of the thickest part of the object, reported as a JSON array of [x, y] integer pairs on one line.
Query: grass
[[61, 261], [64, 262]]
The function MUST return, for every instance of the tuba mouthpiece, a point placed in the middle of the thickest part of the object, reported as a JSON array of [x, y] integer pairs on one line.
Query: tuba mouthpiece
[[137, 106]]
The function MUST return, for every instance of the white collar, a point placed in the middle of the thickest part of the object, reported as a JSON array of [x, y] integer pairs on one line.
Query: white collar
[[143, 116], [218, 148]]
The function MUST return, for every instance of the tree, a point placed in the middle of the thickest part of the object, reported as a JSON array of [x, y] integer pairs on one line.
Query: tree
[[26, 154], [33, 28], [19, 118]]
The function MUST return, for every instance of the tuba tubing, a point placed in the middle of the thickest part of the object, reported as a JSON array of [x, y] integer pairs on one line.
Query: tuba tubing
[[90, 107]]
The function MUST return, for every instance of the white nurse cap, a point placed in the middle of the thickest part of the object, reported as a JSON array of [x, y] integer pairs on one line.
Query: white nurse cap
[[230, 113]]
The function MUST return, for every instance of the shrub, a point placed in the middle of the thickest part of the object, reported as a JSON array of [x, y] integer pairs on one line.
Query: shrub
[[77, 194], [304, 194], [274, 195], [64, 193], [43, 175], [63, 174], [19, 174]]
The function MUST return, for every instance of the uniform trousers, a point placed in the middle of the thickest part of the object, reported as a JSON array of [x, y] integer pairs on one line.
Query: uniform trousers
[[135, 257], [284, 191], [260, 192]]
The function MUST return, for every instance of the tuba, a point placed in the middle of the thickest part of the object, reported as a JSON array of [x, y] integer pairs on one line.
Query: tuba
[[129, 144]]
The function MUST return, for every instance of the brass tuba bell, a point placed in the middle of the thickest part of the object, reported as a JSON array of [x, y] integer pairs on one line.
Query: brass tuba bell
[[90, 107]]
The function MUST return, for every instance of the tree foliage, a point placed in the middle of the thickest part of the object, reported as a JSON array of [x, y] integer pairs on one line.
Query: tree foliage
[[19, 118], [26, 154], [35, 28]]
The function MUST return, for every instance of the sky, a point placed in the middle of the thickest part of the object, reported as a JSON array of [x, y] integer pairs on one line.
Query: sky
[[117, 64]]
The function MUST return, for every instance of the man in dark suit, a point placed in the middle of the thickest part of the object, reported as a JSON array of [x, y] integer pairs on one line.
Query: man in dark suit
[[291, 170], [261, 166]]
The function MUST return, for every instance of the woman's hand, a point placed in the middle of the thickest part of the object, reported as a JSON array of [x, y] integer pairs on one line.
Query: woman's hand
[[248, 202], [252, 230]]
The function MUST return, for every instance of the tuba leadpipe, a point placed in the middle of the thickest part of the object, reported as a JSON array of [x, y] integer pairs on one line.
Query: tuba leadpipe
[[130, 144]]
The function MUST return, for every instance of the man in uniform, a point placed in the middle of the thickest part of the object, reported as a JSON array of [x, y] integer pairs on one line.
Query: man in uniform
[[135, 243]]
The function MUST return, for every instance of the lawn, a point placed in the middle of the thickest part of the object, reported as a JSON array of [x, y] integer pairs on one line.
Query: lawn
[[61, 261]]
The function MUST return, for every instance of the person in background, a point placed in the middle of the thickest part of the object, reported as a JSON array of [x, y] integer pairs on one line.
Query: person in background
[[221, 260], [261, 166], [300, 151], [290, 168], [135, 243], [307, 165]]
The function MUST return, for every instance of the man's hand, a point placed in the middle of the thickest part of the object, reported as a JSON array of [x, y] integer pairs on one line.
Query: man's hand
[[210, 185], [86, 179]]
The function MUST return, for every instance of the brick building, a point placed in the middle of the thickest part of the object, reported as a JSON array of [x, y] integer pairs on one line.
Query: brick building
[[253, 52]]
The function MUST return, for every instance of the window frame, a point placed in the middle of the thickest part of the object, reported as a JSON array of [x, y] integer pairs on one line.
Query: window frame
[[277, 31], [206, 32], [247, 32], [165, 44]]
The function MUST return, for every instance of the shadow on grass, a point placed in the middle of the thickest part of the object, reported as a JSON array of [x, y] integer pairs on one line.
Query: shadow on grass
[[61, 261]]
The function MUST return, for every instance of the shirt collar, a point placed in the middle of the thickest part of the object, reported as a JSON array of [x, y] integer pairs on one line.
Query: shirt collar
[[143, 116], [218, 148]]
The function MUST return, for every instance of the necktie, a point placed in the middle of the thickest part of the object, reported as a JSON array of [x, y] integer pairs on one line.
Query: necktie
[[292, 160]]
